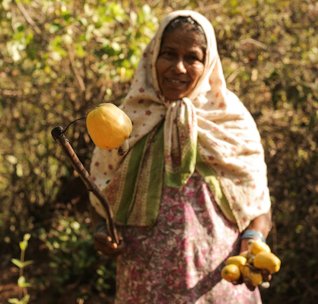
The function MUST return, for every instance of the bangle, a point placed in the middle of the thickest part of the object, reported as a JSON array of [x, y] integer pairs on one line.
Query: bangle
[[253, 234]]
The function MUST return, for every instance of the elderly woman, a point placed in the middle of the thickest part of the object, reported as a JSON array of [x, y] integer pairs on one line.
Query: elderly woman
[[190, 187]]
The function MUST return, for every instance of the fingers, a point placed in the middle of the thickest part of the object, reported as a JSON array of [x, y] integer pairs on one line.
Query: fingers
[[249, 285], [105, 245], [267, 277]]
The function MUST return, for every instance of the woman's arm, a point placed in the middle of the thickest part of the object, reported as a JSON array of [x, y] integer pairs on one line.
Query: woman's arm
[[262, 224]]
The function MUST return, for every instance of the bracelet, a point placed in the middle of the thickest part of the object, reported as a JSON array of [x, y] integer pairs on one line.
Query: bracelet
[[253, 234]]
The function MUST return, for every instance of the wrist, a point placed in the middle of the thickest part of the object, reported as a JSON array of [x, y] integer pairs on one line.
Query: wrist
[[244, 246], [253, 234]]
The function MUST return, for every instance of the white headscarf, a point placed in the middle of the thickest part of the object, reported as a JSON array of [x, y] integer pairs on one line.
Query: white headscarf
[[227, 137]]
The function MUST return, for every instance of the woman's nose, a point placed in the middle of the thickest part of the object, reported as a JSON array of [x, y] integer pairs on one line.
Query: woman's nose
[[180, 66]]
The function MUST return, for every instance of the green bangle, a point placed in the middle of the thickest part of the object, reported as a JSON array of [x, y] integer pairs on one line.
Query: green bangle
[[253, 234]]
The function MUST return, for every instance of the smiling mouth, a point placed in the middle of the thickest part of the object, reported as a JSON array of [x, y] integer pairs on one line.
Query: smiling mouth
[[176, 82]]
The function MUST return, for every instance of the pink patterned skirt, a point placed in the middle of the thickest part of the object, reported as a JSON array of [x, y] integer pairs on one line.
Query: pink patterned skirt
[[178, 260]]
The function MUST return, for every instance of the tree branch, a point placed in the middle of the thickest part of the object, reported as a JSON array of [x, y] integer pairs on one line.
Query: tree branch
[[28, 18], [78, 77]]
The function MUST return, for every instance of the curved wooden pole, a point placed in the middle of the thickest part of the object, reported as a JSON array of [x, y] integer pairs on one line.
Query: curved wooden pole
[[115, 241]]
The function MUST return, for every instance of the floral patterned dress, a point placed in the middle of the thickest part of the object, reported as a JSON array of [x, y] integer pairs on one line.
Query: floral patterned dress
[[178, 261]]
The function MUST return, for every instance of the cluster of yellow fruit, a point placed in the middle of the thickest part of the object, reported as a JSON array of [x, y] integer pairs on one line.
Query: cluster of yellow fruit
[[108, 126], [250, 265]]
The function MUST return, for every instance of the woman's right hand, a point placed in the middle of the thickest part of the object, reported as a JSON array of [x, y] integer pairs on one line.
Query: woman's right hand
[[103, 242]]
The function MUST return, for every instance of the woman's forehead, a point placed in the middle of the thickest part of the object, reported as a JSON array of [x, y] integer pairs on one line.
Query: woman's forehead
[[184, 24], [182, 36]]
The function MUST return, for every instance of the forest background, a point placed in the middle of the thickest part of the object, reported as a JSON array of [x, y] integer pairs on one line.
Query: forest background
[[58, 59]]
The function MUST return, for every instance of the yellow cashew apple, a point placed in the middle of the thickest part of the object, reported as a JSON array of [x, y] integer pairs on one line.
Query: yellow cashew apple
[[108, 126], [237, 260], [268, 261], [254, 277], [231, 272], [257, 246]]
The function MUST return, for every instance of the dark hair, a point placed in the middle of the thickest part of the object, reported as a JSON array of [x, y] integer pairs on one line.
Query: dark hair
[[185, 20]]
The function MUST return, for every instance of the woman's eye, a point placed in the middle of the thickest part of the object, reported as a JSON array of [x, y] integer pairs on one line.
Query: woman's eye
[[167, 54], [192, 58]]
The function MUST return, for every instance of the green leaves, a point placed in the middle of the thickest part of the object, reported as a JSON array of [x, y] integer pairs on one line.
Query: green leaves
[[69, 246], [22, 283], [24, 300], [21, 264], [24, 243]]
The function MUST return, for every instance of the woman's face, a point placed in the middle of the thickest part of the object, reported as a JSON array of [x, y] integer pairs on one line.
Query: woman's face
[[180, 62]]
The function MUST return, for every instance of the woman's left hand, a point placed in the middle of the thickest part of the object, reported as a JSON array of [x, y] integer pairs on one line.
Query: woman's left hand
[[265, 274]]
